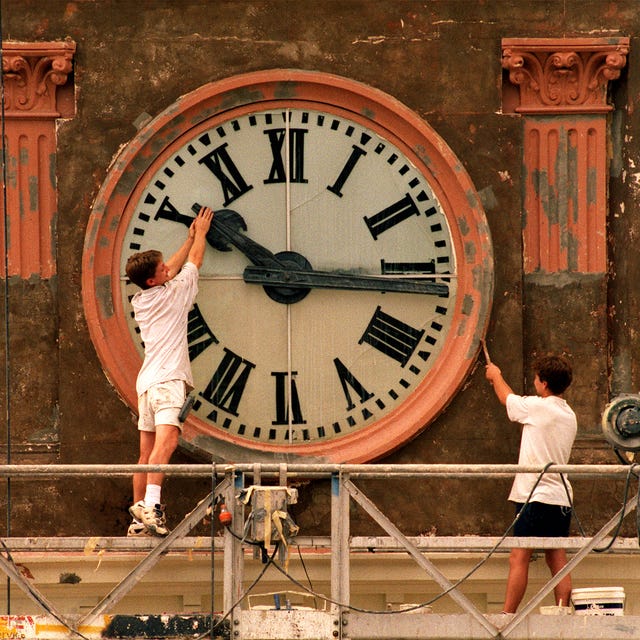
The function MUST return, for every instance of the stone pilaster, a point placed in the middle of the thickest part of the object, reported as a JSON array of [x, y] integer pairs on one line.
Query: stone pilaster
[[563, 94], [38, 90]]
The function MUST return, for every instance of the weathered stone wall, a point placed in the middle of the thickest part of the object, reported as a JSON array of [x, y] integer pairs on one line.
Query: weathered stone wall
[[443, 60]]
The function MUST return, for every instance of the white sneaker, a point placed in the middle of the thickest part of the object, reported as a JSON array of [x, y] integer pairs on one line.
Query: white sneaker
[[138, 530], [152, 517]]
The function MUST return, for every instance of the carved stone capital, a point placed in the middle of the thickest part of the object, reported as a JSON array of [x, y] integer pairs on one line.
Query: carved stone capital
[[32, 73], [568, 75]]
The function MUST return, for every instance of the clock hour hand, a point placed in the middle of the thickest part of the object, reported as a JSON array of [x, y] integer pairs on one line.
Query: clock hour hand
[[303, 279], [226, 229]]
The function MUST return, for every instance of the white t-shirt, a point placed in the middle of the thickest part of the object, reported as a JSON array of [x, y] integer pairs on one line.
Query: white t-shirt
[[162, 314], [549, 428]]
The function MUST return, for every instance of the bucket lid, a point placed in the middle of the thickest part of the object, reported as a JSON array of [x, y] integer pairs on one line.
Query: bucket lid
[[593, 590]]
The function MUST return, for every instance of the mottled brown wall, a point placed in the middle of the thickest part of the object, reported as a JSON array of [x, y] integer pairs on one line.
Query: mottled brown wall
[[442, 59]]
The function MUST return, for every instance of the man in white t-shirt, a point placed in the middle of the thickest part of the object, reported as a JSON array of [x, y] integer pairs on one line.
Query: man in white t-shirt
[[549, 428], [161, 308]]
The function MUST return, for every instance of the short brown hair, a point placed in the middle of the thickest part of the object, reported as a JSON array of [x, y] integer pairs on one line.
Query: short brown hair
[[555, 371], [142, 266]]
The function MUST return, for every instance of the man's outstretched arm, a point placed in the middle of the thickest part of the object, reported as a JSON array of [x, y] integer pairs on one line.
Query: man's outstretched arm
[[200, 227], [501, 388], [194, 246]]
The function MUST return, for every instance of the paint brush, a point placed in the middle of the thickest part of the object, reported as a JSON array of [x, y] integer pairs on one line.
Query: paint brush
[[486, 352]]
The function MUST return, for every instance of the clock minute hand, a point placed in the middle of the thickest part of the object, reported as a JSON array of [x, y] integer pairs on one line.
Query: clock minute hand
[[226, 228], [293, 278]]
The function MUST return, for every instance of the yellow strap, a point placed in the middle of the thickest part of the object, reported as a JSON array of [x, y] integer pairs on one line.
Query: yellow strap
[[267, 519], [278, 517]]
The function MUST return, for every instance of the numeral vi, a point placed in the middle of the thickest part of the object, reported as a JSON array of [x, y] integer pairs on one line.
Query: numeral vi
[[285, 386]]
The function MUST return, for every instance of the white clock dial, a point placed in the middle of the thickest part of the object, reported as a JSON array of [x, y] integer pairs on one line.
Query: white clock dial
[[321, 186]]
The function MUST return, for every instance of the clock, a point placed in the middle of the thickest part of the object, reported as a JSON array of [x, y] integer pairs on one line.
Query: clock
[[348, 276]]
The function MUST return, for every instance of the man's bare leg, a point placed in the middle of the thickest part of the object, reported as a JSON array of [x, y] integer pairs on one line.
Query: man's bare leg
[[166, 443], [147, 440], [556, 560], [149, 510], [518, 578]]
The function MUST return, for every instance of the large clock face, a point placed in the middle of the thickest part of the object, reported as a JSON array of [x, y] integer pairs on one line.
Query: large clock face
[[348, 272]]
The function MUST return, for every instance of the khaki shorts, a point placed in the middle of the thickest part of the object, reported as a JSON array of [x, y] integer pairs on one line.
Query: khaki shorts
[[161, 404]]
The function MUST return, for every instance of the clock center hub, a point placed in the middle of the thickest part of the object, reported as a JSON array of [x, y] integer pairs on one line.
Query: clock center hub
[[284, 294]]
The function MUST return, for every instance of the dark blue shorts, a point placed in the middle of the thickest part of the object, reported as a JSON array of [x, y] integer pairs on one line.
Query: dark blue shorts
[[541, 520]]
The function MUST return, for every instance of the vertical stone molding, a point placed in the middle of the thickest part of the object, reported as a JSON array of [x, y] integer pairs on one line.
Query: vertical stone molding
[[565, 195], [563, 87], [33, 75]]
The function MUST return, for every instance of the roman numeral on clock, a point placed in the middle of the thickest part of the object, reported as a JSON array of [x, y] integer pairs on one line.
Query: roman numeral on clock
[[391, 216], [391, 336], [349, 166], [199, 335], [394, 268], [284, 385], [228, 382], [348, 380], [277, 173], [167, 211], [219, 162]]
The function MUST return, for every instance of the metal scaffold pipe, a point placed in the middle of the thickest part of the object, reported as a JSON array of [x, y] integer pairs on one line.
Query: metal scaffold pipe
[[309, 470]]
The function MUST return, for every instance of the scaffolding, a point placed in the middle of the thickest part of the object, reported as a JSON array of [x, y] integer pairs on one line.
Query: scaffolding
[[337, 617]]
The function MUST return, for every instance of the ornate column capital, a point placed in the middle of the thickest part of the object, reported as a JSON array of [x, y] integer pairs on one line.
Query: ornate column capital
[[568, 75], [32, 73]]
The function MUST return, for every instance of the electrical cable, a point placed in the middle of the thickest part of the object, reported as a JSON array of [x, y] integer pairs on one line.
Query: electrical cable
[[481, 562], [630, 472], [453, 586], [213, 534], [310, 590], [7, 360], [255, 543], [546, 467], [306, 573], [7, 356], [571, 505], [241, 598]]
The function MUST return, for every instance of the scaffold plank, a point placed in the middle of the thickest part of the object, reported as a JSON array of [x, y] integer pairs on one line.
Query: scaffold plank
[[202, 544]]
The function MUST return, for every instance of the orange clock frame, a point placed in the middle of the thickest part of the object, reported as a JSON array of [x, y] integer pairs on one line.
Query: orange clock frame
[[447, 177]]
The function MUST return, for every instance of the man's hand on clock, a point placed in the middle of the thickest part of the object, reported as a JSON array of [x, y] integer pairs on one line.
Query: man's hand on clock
[[201, 222], [225, 229], [288, 276]]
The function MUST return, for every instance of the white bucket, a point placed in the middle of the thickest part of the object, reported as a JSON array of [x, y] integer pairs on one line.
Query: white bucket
[[598, 601]]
